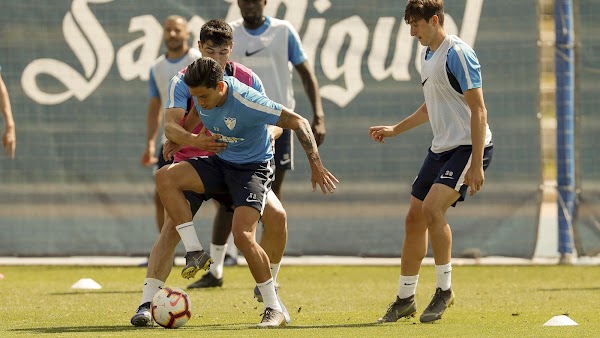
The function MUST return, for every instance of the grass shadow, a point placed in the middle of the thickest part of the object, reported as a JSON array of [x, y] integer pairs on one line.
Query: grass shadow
[[571, 289], [213, 327], [75, 293], [78, 329]]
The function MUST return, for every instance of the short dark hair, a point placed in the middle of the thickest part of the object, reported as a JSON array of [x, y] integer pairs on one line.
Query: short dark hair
[[424, 9], [204, 72], [218, 31]]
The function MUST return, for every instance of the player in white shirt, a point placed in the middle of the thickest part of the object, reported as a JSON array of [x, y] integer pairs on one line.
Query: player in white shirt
[[460, 152], [270, 47], [177, 57]]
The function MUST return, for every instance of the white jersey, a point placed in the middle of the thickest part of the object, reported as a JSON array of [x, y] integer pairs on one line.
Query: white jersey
[[163, 70], [267, 55], [449, 114]]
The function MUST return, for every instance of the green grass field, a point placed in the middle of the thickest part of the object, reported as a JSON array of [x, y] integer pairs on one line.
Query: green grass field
[[324, 301]]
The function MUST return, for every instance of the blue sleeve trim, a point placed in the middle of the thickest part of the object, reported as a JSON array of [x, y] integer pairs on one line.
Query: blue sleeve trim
[[152, 88], [462, 62], [296, 54]]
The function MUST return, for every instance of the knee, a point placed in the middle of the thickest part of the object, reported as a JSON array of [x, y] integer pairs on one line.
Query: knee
[[415, 223], [432, 214], [162, 178], [276, 222], [242, 239]]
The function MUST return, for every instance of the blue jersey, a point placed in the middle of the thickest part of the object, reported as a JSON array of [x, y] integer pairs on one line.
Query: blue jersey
[[178, 94], [242, 123]]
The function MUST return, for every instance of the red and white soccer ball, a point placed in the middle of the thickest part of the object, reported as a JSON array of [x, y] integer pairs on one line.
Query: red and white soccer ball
[[171, 307]]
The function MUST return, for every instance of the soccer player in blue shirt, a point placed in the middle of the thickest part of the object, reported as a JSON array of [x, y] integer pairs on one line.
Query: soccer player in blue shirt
[[238, 116]]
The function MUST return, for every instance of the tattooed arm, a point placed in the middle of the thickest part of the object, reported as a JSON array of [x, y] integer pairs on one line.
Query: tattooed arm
[[320, 175]]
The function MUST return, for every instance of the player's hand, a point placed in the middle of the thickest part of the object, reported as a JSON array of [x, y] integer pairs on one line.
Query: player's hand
[[148, 158], [321, 176], [319, 131], [474, 178], [208, 142], [9, 142], [378, 133], [170, 149]]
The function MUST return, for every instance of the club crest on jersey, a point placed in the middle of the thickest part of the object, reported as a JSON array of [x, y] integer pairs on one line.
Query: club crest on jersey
[[230, 122]]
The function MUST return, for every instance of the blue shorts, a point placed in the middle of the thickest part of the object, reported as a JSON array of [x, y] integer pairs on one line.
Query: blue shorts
[[447, 168], [284, 151], [248, 184]]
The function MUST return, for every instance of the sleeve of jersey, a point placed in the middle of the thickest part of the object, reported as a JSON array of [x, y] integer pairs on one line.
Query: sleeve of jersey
[[152, 88], [296, 53], [262, 109], [257, 84], [178, 94], [464, 65]]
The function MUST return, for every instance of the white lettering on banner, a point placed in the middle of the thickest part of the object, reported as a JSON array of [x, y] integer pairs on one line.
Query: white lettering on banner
[[379, 51], [149, 47], [93, 48], [358, 33], [96, 58]]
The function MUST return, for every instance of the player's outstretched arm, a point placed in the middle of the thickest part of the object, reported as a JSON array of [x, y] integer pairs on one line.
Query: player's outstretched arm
[[320, 175], [379, 133]]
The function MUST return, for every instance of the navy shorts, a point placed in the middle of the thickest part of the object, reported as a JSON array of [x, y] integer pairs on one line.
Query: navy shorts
[[284, 151], [248, 184], [195, 199], [161, 160], [448, 168]]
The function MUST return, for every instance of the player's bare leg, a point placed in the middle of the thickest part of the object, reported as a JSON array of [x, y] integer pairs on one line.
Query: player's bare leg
[[160, 211], [278, 182], [218, 247], [160, 264], [414, 249], [245, 220], [171, 182], [274, 236], [273, 241], [437, 202]]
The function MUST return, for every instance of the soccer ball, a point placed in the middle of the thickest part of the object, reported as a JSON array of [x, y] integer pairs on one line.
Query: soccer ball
[[171, 307]]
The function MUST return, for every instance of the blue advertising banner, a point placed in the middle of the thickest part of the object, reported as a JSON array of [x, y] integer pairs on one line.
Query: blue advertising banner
[[77, 74]]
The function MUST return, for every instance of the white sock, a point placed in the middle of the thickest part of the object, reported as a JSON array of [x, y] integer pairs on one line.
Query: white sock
[[232, 250], [217, 252], [444, 276], [151, 287], [188, 235], [275, 270], [407, 286], [267, 290]]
